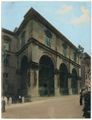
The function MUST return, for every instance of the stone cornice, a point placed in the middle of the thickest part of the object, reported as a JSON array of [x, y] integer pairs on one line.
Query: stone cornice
[[36, 42], [8, 31]]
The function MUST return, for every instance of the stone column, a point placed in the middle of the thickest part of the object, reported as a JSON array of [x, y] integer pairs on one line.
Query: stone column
[[37, 83], [34, 83], [29, 94], [23, 100], [56, 85], [10, 100], [29, 88], [69, 86]]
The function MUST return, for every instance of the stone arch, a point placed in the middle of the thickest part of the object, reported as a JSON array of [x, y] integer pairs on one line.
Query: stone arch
[[63, 77], [50, 56], [74, 82], [46, 76]]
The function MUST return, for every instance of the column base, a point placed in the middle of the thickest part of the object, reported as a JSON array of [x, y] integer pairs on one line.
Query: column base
[[57, 93], [70, 91]]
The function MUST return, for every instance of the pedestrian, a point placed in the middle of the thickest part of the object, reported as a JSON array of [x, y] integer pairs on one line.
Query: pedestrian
[[81, 96], [87, 105], [3, 105], [8, 100], [20, 99]]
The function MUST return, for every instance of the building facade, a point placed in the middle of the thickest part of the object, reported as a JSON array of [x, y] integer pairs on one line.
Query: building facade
[[86, 69], [38, 60]]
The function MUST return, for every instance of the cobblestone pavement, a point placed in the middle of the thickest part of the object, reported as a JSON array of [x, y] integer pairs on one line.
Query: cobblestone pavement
[[53, 107]]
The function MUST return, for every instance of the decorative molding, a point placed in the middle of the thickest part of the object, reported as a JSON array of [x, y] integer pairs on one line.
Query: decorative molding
[[8, 31], [32, 40]]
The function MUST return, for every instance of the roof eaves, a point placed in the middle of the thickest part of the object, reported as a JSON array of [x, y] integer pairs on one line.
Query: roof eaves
[[7, 31], [51, 27], [34, 14]]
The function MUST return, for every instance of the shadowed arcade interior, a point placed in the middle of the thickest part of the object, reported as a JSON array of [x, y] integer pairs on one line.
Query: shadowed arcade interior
[[23, 81], [63, 79], [46, 76], [74, 83]]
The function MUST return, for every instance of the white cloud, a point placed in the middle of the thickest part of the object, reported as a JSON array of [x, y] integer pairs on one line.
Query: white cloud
[[65, 10], [84, 17]]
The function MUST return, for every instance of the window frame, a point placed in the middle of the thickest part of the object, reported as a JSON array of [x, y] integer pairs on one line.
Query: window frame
[[64, 49], [22, 36], [48, 38]]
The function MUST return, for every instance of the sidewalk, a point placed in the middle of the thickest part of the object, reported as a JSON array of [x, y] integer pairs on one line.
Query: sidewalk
[[39, 100], [46, 107], [34, 100]]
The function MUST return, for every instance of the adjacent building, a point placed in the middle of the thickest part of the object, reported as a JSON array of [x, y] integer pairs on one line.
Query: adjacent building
[[86, 69], [38, 60]]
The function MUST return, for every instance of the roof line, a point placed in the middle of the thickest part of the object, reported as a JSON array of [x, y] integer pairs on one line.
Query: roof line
[[8, 31], [33, 13]]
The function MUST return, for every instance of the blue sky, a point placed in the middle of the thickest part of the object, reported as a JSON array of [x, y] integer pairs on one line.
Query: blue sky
[[72, 19]]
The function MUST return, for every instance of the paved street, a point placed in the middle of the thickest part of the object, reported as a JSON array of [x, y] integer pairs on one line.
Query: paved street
[[53, 107]]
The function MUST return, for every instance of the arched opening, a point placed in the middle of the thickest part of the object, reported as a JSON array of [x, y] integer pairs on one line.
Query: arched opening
[[46, 76], [74, 83], [23, 82], [63, 79]]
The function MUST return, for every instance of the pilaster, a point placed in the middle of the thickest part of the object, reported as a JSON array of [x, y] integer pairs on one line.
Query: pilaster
[[69, 86], [56, 85], [37, 84]]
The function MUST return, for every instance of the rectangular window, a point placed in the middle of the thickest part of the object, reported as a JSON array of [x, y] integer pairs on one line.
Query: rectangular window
[[64, 52], [48, 41], [64, 49], [23, 39], [48, 37], [75, 56]]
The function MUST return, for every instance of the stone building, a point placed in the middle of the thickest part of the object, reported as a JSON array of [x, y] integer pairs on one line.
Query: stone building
[[38, 60], [86, 69], [10, 81]]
